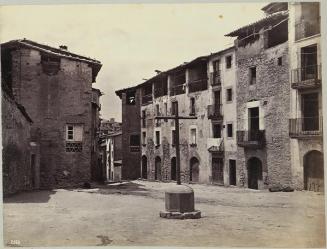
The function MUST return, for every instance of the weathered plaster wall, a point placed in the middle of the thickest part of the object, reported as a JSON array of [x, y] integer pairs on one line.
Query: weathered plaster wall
[[300, 147], [52, 101], [18, 174]]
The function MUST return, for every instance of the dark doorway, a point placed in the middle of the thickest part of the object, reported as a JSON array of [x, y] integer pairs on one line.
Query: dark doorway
[[309, 62], [232, 172], [253, 123], [173, 169], [313, 169], [194, 169], [33, 172], [157, 174], [254, 172], [218, 170], [310, 112], [144, 167]]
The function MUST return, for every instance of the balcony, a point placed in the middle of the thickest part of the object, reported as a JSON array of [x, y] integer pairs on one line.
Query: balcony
[[215, 78], [178, 89], [307, 127], [306, 77], [146, 99], [159, 92], [306, 28], [198, 85], [215, 112], [251, 139]]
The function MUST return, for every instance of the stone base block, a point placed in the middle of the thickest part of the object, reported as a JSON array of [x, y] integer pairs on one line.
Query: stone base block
[[178, 215]]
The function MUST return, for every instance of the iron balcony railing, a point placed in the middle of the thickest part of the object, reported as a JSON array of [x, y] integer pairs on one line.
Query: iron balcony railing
[[306, 126], [147, 98], [215, 78], [251, 138], [306, 77], [198, 85], [215, 112], [306, 28], [178, 89]]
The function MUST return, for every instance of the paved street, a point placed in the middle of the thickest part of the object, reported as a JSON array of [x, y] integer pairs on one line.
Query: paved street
[[128, 214]]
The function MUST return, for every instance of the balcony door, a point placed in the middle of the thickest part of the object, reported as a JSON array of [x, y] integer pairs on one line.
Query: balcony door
[[217, 101], [310, 112], [309, 62], [253, 123]]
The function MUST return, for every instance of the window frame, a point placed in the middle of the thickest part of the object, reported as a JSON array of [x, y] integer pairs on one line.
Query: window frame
[[229, 124]]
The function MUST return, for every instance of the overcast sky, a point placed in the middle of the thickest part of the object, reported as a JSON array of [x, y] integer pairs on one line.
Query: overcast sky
[[131, 40]]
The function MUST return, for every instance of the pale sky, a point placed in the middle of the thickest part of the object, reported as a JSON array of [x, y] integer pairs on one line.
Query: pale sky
[[131, 40]]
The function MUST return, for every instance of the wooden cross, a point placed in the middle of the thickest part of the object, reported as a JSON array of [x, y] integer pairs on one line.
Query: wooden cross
[[177, 118]]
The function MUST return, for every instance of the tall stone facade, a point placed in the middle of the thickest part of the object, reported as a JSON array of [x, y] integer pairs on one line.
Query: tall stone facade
[[263, 105], [131, 128], [55, 87]]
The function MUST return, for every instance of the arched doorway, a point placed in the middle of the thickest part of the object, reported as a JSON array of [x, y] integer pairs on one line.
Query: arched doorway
[[313, 170], [254, 172], [157, 173], [194, 169], [144, 167], [173, 169]]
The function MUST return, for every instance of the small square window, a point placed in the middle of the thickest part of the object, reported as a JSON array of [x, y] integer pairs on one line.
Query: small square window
[[229, 94], [280, 61], [229, 130], [228, 61], [134, 140], [130, 98]]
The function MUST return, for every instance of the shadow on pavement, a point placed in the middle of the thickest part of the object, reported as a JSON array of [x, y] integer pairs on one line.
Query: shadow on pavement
[[41, 196], [120, 188]]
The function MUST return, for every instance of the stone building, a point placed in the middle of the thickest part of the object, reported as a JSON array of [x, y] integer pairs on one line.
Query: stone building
[[258, 108], [110, 126], [111, 156], [306, 131], [263, 105], [55, 87], [20, 151], [202, 88], [131, 129]]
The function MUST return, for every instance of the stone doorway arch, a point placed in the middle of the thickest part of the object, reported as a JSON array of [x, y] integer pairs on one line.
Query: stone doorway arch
[[194, 169], [313, 171], [254, 167]]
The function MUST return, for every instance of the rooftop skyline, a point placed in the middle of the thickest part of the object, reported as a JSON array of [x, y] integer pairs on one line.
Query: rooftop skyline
[[130, 40]]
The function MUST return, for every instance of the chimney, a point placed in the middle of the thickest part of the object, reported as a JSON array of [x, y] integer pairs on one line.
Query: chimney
[[63, 47]]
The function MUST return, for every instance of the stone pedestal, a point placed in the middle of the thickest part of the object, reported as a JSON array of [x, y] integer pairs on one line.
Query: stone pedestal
[[179, 202]]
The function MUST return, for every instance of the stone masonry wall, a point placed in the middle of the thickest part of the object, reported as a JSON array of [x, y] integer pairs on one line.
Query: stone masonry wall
[[52, 101], [16, 152], [272, 92], [131, 121], [166, 151]]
